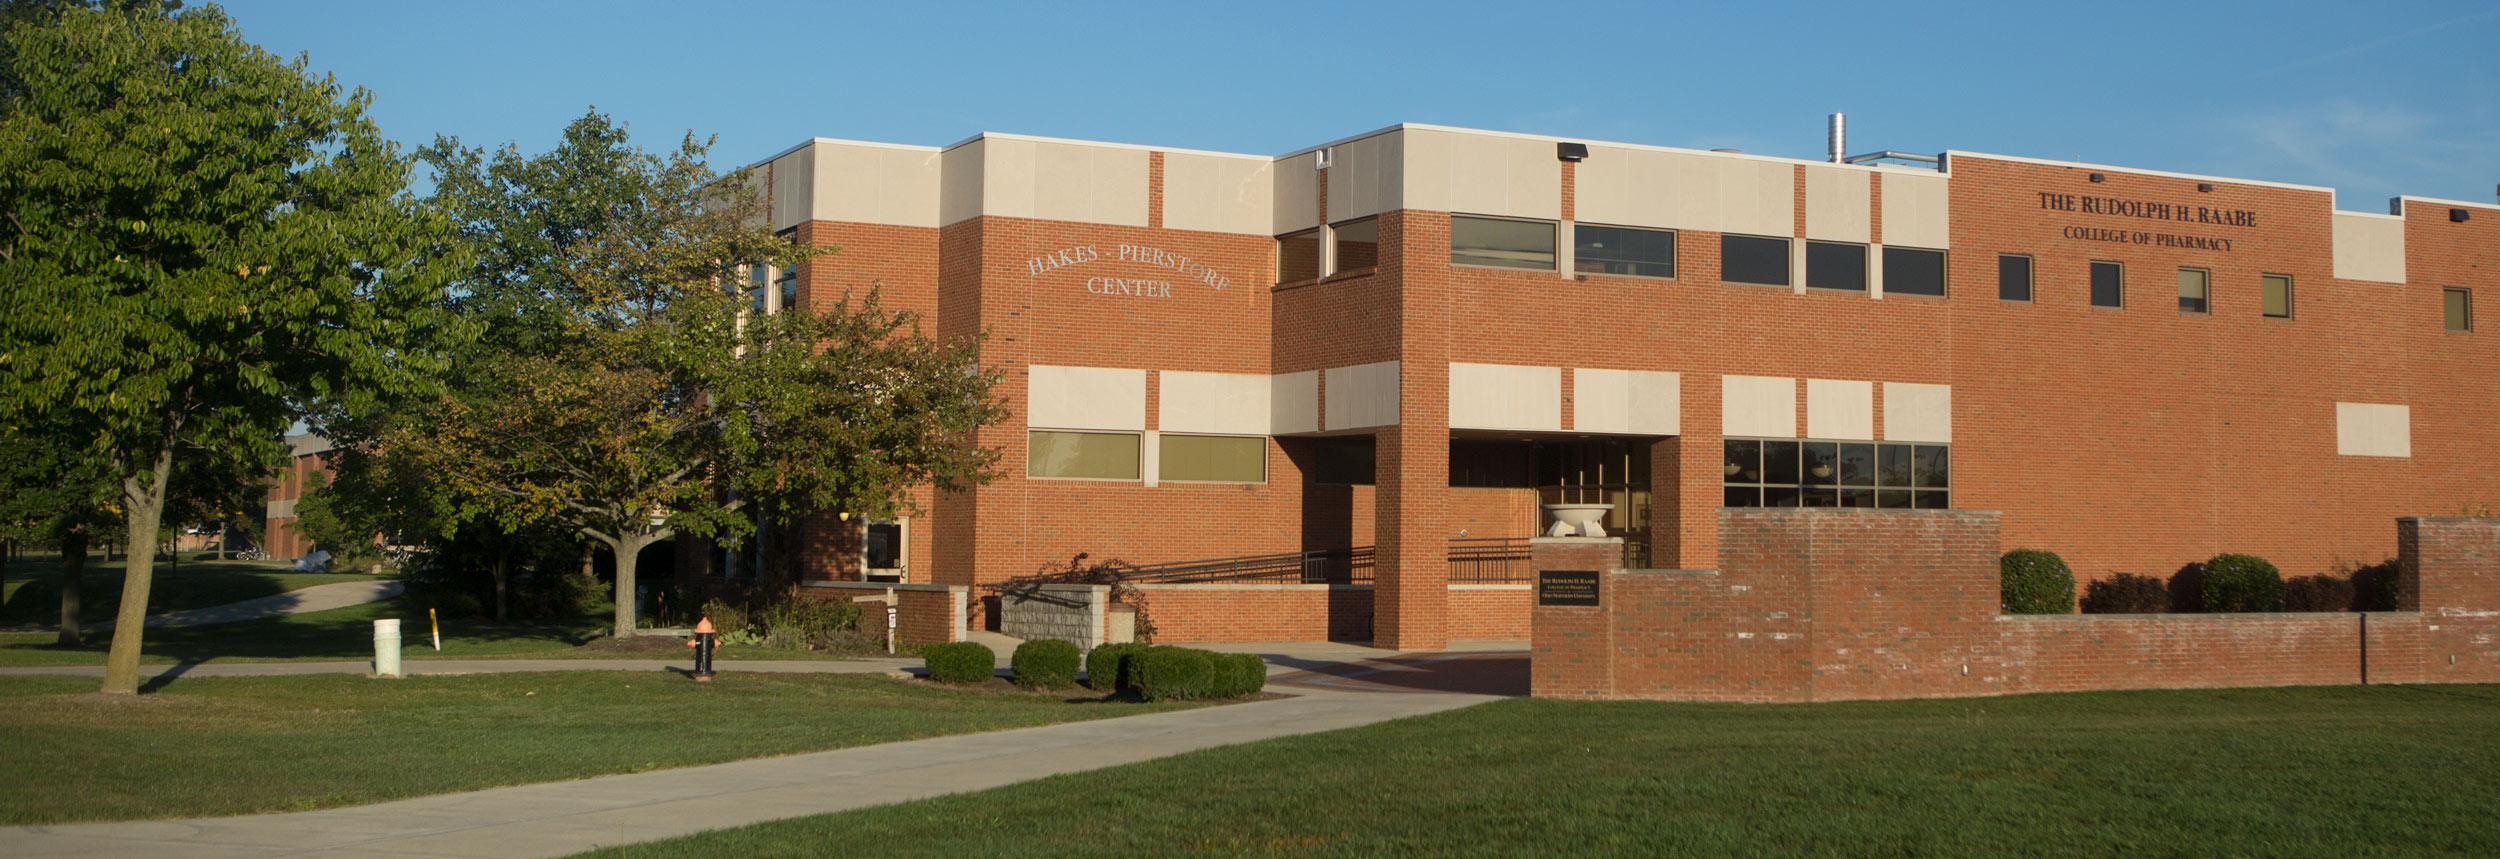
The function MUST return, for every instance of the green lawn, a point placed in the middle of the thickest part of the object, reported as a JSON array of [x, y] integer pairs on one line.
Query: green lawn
[[234, 745], [32, 594], [2325, 771]]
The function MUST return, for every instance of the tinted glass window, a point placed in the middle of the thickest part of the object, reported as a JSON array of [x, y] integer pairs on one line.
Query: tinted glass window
[[2278, 297], [1835, 266], [1752, 259], [1501, 243], [1358, 244], [2192, 283], [2014, 278], [1344, 460], [1622, 250], [2459, 309], [1213, 459], [1100, 455], [2107, 288], [1915, 271], [1297, 256]]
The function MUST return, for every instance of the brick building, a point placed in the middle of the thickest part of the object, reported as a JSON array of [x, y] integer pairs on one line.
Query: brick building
[[1371, 361]]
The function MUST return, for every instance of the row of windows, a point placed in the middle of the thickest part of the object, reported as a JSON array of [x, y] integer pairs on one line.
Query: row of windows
[[2108, 282], [1622, 251], [1114, 456], [1763, 472]]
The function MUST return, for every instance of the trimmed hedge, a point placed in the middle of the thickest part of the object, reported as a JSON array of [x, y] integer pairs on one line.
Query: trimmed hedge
[[2235, 582], [1106, 665], [2377, 588], [1239, 674], [960, 662], [1045, 663], [2032, 581], [1185, 674], [2317, 593], [2126, 593]]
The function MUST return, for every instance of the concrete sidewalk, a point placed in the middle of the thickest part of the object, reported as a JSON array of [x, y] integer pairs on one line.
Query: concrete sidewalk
[[559, 818], [869, 665], [302, 601]]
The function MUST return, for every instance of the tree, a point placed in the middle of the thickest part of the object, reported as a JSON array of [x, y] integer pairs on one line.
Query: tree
[[621, 384], [57, 492], [234, 236]]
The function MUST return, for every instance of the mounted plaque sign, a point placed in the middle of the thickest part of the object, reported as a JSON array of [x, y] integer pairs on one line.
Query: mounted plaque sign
[[1566, 587]]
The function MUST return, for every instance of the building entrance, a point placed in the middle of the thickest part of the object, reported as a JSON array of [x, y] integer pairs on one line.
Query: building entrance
[[1516, 474]]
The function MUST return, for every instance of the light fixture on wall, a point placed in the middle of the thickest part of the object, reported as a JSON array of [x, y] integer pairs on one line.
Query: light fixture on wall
[[1571, 151], [2459, 216], [2205, 187], [2096, 177]]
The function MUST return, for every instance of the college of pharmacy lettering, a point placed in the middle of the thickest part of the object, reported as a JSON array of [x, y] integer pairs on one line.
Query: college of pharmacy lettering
[[2148, 210], [1188, 268]]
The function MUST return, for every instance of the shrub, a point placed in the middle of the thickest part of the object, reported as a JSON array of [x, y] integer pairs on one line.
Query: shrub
[[1238, 674], [960, 662], [725, 617], [2032, 581], [2242, 583], [2317, 593], [2376, 587], [2126, 593], [1104, 667], [1173, 674], [1045, 663], [796, 620]]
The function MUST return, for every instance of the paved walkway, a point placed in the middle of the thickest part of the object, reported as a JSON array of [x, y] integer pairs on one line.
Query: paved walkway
[[312, 599], [558, 818]]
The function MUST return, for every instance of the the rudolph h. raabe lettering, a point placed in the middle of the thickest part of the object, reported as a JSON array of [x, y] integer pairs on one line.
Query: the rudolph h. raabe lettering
[[2152, 210]]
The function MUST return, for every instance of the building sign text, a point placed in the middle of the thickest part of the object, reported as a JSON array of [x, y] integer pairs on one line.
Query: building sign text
[[2151, 210], [1182, 264]]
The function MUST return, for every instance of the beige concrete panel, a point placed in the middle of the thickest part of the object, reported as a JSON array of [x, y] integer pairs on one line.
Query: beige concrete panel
[[1686, 190], [1225, 403], [1296, 194], [1365, 395], [1100, 398], [1758, 197], [1839, 204], [2373, 429], [794, 184], [1916, 412], [1189, 192], [1764, 406], [1293, 402], [1367, 178], [1121, 178], [1009, 174], [1918, 210], [1489, 175], [877, 185], [960, 182], [1632, 402], [1505, 397], [1427, 166], [2369, 247], [1245, 194], [1840, 409]]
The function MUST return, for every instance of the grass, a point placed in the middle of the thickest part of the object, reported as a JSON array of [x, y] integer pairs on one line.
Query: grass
[[2324, 771], [234, 745], [32, 594]]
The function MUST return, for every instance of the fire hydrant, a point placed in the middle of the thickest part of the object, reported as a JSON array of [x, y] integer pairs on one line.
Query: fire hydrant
[[703, 642]]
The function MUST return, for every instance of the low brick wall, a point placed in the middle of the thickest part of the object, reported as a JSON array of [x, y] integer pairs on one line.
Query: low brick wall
[[1489, 612], [1185, 614], [1840, 605], [927, 614]]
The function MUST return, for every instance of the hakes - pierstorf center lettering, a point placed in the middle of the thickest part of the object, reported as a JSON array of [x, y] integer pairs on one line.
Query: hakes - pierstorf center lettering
[[1188, 268]]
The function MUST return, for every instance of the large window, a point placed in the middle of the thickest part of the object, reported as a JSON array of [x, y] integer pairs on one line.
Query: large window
[[1297, 256], [1623, 250], [2458, 307], [1501, 243], [1358, 244], [787, 285], [1913, 271], [1081, 455], [2193, 286], [1753, 259], [1793, 473], [2013, 277], [2278, 297], [1345, 460], [2108, 285], [1212, 458], [1832, 265]]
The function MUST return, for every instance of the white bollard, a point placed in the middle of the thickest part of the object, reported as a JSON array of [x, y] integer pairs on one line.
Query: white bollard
[[386, 648]]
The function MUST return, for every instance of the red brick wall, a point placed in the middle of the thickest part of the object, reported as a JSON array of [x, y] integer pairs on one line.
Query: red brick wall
[[1184, 614], [1489, 612]]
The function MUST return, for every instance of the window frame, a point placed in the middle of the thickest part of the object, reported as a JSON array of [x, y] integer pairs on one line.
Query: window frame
[[1788, 260], [1944, 270], [1334, 258], [1319, 256], [1674, 251], [1160, 459], [1553, 251], [1802, 484], [2119, 287], [2204, 303], [1139, 466], [2262, 298], [1864, 282], [2465, 312], [2031, 278]]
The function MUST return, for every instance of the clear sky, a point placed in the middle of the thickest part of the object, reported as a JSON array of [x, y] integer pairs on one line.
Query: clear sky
[[2373, 99]]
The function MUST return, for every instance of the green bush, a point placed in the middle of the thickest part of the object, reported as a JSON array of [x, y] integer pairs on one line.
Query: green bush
[[1104, 667], [2032, 581], [2317, 593], [2126, 593], [1238, 674], [960, 662], [1173, 674], [2377, 587], [1045, 664], [2242, 583], [798, 621]]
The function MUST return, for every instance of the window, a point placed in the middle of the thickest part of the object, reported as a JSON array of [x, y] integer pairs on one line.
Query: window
[[1501, 243], [2108, 285], [2278, 297], [1623, 250], [2459, 305], [1753, 259], [1213, 458], [1083, 455], [2013, 277], [1913, 271], [1358, 244], [1835, 266], [1349, 460], [2192, 284], [787, 285], [1297, 256], [1795, 473], [759, 280]]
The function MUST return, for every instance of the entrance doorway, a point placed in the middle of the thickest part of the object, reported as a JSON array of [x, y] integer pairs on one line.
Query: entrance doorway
[[883, 545], [1564, 471]]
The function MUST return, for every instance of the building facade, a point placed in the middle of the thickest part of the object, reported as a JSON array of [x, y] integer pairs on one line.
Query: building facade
[[1387, 351]]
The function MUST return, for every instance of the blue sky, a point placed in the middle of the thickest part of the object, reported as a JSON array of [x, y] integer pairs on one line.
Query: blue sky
[[2371, 99]]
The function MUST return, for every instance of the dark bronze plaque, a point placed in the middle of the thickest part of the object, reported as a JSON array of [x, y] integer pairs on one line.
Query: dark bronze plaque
[[1566, 587]]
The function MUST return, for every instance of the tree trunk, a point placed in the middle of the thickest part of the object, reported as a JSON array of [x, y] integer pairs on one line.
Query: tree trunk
[[501, 575], [73, 568], [225, 533], [144, 497], [628, 549]]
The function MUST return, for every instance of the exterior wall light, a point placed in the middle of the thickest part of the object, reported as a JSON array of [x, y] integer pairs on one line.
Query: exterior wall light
[[2459, 216], [2205, 187], [2096, 177], [1571, 151]]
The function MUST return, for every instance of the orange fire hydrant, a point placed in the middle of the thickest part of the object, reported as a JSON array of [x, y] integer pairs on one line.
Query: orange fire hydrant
[[703, 642]]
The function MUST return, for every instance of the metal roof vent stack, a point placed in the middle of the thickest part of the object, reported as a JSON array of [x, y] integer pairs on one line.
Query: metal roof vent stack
[[1839, 137]]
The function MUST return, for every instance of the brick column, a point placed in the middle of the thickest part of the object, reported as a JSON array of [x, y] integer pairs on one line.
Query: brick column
[[1571, 648], [2451, 574], [1411, 582]]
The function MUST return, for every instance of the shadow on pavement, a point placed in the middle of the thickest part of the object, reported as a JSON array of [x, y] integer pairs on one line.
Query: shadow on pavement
[[1467, 673]]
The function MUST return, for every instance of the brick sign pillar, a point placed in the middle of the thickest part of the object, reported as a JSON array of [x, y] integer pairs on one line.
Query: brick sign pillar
[[1571, 632]]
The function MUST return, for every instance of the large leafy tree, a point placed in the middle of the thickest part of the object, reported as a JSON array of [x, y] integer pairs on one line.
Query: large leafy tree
[[621, 383], [200, 240]]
